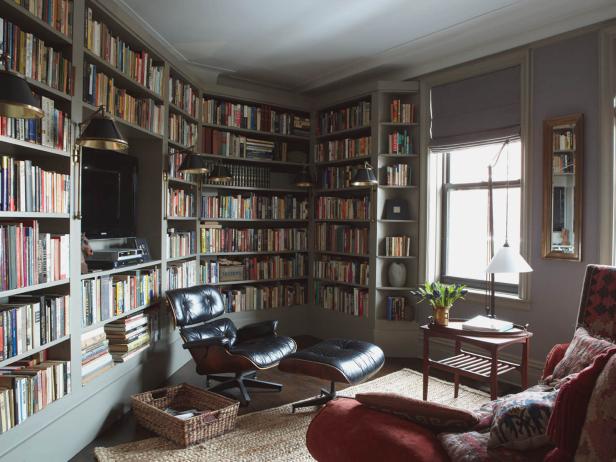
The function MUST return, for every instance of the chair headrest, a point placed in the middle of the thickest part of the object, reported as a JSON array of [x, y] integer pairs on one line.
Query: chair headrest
[[195, 304]]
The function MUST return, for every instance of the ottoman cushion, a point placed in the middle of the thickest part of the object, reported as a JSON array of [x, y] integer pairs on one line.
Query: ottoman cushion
[[336, 360]]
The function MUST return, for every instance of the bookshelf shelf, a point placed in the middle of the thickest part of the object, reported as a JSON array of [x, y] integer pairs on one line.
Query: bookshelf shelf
[[183, 113], [181, 181], [123, 80], [96, 325], [253, 188], [50, 91], [398, 156], [37, 215], [245, 160], [387, 186], [185, 257], [252, 220], [25, 147], [351, 160], [399, 124], [33, 351], [397, 221], [231, 254], [350, 189], [257, 281], [343, 133], [17, 13], [394, 289], [124, 269], [341, 254], [391, 257], [341, 220], [341, 283], [44, 285], [176, 145], [116, 371], [256, 132], [128, 129], [181, 218]]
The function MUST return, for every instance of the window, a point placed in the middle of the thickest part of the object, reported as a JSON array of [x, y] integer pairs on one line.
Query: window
[[464, 240]]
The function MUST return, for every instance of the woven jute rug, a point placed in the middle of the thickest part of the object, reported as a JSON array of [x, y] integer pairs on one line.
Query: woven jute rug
[[276, 435]]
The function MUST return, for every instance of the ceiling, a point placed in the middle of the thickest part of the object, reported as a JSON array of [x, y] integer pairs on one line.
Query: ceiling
[[305, 45]]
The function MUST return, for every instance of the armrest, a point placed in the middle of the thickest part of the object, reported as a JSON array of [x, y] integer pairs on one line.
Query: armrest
[[259, 329], [556, 354], [206, 342]]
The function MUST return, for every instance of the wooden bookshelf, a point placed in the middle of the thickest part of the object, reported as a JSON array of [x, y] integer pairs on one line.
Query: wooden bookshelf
[[249, 131]]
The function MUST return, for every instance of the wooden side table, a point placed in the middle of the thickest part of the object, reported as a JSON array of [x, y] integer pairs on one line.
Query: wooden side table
[[475, 366]]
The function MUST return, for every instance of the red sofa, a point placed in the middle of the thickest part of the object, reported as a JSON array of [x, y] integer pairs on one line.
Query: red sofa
[[346, 430]]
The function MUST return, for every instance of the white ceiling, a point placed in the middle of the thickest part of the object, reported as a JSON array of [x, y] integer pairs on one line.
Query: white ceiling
[[303, 45]]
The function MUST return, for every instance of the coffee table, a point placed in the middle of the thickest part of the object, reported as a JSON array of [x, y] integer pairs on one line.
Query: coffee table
[[484, 368]]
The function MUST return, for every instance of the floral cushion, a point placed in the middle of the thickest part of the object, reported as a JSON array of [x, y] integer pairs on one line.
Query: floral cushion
[[435, 416], [582, 351], [598, 305], [520, 421], [598, 437]]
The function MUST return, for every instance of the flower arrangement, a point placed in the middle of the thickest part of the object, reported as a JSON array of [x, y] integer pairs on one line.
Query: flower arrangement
[[441, 297]]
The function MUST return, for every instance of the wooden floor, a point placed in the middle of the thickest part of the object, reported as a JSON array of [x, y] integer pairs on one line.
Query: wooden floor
[[295, 388]]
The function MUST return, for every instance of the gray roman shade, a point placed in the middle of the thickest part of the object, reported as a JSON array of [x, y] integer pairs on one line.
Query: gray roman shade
[[476, 110]]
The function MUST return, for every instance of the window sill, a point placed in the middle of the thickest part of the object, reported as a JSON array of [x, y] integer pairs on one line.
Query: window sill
[[503, 300]]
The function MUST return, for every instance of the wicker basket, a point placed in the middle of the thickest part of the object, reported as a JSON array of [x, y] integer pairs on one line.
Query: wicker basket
[[149, 411]]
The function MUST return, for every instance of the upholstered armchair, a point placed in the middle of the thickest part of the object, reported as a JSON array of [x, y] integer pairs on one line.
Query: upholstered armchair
[[349, 430], [218, 347]]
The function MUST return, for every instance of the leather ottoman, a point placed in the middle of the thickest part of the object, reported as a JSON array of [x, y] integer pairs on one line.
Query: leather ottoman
[[336, 360]]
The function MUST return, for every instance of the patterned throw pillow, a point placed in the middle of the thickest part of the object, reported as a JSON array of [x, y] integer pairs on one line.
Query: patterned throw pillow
[[597, 441], [582, 351], [435, 416], [520, 421]]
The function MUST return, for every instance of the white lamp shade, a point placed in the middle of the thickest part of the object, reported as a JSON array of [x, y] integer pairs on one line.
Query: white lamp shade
[[507, 260]]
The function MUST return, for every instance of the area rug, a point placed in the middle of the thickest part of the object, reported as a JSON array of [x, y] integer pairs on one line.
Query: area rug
[[276, 435]]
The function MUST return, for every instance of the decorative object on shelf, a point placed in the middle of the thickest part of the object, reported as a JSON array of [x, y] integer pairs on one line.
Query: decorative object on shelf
[[86, 251], [396, 274], [303, 179], [506, 260], [441, 297], [396, 209], [16, 98], [220, 174], [101, 132], [563, 150], [364, 176], [192, 163]]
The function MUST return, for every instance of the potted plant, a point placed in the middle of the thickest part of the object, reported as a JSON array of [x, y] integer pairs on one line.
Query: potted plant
[[441, 297]]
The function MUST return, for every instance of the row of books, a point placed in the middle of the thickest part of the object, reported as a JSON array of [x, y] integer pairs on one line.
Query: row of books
[[342, 208], [108, 296], [251, 298], [244, 175], [174, 160], [215, 239], [230, 144], [341, 238], [29, 257], [138, 65], [397, 175], [347, 148], [262, 117], [180, 203], [128, 337], [399, 143], [183, 95], [252, 206], [348, 300], [563, 163], [182, 131], [331, 269], [337, 177], [30, 321], [95, 356], [256, 268], [180, 243], [30, 385], [346, 118], [180, 275], [101, 91], [398, 246], [25, 187], [57, 13], [396, 308], [400, 112], [55, 130], [563, 140], [30, 56]]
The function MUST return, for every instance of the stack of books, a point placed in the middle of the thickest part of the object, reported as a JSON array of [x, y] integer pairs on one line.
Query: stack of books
[[345, 118], [180, 275], [398, 175], [58, 14], [395, 308], [400, 112], [301, 125], [335, 270], [353, 301], [253, 268], [183, 96], [400, 143], [337, 177], [28, 386], [348, 148], [563, 140], [128, 337], [244, 175], [252, 206], [250, 298], [95, 357], [180, 243], [341, 208], [341, 238], [180, 203], [398, 246], [181, 131], [215, 238]]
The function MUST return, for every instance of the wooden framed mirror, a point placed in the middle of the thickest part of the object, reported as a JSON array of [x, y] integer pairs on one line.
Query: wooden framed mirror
[[563, 151]]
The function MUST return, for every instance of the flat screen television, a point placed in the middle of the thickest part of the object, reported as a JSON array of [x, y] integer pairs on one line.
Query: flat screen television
[[108, 194]]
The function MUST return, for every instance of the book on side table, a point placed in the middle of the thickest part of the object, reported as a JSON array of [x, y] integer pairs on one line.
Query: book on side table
[[485, 324]]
